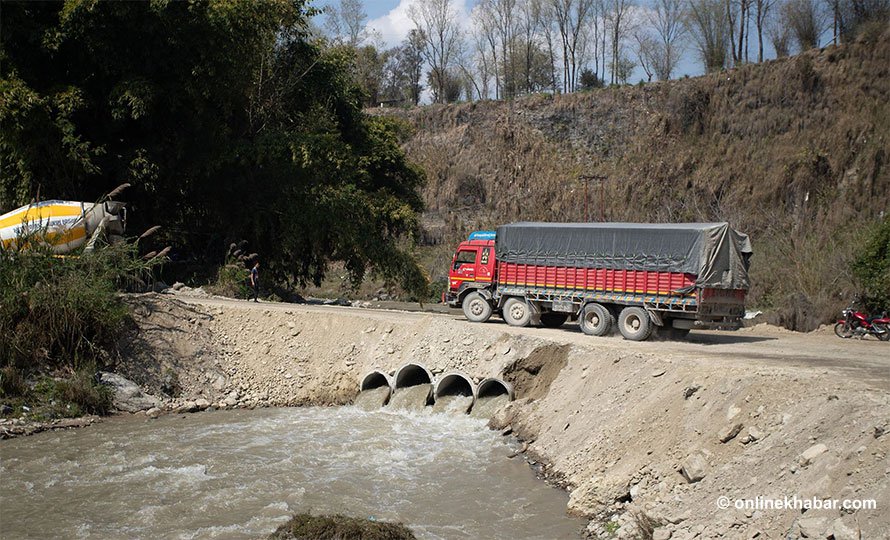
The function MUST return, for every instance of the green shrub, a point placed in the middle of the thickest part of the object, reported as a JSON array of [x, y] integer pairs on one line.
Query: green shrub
[[232, 281], [84, 393], [59, 312], [60, 318], [872, 267], [340, 527]]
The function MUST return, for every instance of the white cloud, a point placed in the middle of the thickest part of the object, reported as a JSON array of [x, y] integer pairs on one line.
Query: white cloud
[[395, 25]]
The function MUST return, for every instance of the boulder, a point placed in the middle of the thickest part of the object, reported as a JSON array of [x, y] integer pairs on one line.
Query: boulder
[[812, 453], [842, 531], [128, 395], [813, 527], [694, 468], [729, 432]]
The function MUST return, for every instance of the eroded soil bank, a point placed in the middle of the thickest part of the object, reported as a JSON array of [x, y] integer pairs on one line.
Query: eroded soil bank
[[646, 437]]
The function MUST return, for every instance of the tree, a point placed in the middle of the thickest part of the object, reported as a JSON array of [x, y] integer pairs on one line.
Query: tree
[[709, 26], [436, 20], [872, 266], [227, 119], [761, 12], [666, 20], [645, 45], [571, 18], [806, 20], [410, 61], [616, 19], [851, 16], [369, 72], [347, 22], [779, 36]]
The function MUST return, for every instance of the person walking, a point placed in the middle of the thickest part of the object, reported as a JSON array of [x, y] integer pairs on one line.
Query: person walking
[[255, 280]]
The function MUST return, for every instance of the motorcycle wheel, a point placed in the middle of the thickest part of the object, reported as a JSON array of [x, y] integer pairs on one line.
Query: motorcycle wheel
[[843, 331], [885, 335]]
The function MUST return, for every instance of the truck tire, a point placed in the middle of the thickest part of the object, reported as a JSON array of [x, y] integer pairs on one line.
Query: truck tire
[[553, 320], [634, 324], [595, 320], [476, 308], [517, 312]]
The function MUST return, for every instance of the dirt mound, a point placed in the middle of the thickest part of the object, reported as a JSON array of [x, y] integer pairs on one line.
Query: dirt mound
[[532, 376]]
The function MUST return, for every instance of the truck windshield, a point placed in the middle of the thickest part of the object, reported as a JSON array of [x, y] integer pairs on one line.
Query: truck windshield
[[464, 257]]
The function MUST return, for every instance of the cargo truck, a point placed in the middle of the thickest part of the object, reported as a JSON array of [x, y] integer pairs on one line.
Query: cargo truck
[[637, 276]]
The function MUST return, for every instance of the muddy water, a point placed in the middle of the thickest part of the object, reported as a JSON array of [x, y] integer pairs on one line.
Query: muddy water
[[239, 474], [485, 407], [373, 399], [412, 398], [452, 404]]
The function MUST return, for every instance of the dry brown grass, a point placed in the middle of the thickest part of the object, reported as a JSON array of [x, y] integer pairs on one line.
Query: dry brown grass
[[792, 151]]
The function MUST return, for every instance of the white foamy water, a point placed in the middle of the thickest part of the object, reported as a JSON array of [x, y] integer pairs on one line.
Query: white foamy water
[[240, 474]]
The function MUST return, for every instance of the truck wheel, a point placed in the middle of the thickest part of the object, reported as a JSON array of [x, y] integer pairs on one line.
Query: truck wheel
[[476, 308], [553, 320], [634, 324], [595, 320], [517, 312]]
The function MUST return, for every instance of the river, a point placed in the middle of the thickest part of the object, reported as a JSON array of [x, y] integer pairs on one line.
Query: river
[[239, 474]]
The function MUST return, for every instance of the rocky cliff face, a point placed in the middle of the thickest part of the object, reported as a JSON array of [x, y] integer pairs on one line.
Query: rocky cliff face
[[791, 151]]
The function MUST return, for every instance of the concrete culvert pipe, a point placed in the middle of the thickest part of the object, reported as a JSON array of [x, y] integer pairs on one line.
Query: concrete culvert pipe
[[454, 392], [376, 389], [491, 395], [375, 379], [412, 387]]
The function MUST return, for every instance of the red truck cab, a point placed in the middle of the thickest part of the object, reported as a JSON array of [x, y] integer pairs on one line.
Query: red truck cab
[[473, 266]]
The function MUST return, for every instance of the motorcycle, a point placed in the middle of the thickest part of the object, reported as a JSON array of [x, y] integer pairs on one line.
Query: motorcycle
[[856, 323]]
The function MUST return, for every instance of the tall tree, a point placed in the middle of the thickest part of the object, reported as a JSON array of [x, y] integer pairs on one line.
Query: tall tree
[[806, 19], [410, 58], [666, 19], [762, 10], [571, 18], [437, 22], [347, 21], [617, 20], [708, 23]]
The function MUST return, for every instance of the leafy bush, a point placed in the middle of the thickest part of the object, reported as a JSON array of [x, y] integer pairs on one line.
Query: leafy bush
[[872, 267], [231, 281], [63, 312], [60, 318], [84, 392]]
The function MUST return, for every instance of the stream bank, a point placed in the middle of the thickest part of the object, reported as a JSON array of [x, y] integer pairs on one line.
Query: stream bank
[[645, 437]]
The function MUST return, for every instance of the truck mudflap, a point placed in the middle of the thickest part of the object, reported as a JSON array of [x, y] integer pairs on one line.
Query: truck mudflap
[[452, 299]]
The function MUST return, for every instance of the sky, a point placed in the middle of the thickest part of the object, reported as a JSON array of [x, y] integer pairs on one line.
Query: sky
[[389, 19]]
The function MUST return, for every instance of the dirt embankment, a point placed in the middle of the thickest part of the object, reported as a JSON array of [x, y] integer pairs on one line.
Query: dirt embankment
[[646, 437]]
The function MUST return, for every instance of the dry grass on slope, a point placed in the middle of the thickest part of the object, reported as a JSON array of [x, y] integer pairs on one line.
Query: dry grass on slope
[[792, 151]]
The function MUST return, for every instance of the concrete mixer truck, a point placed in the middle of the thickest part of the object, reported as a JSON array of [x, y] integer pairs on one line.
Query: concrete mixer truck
[[63, 225]]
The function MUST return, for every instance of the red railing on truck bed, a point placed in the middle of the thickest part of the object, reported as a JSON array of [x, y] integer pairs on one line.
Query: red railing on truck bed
[[595, 279]]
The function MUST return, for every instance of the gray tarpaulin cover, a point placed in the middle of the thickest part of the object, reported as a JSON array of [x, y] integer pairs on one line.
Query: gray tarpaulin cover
[[714, 252]]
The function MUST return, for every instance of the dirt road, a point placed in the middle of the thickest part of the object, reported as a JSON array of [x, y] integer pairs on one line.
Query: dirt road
[[866, 360]]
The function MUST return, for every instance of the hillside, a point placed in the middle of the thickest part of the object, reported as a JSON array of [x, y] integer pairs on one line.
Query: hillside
[[791, 151]]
